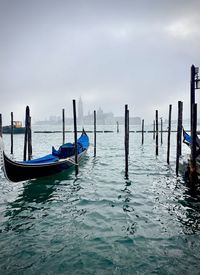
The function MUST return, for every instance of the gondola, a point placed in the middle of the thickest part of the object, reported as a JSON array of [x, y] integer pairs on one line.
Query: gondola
[[53, 163]]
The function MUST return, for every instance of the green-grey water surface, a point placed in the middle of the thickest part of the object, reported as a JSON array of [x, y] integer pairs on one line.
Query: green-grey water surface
[[100, 222]]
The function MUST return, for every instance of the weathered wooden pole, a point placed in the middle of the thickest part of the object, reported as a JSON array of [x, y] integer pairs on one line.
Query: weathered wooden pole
[[143, 131], [75, 137], [28, 135], [29, 138], [63, 124], [193, 171], [128, 128], [1, 128], [181, 127], [179, 134], [156, 132], [11, 134], [126, 139], [95, 134], [26, 132], [161, 131], [192, 93], [117, 127], [169, 133]]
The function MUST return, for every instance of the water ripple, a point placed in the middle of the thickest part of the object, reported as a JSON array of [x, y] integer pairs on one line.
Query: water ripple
[[100, 222]]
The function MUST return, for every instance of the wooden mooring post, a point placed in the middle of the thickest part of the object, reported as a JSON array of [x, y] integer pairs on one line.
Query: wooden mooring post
[[154, 129], [1, 128], [128, 129], [95, 133], [142, 131], [156, 132], [28, 135], [193, 168], [117, 127], [193, 127], [161, 131], [169, 133], [75, 137], [192, 93], [126, 140], [11, 134], [29, 139], [179, 134], [63, 124]]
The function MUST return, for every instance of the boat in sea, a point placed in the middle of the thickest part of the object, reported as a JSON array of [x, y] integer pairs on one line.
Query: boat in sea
[[50, 164], [17, 128]]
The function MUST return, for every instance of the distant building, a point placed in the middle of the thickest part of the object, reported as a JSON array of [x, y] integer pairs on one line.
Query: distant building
[[101, 118], [132, 120], [54, 119]]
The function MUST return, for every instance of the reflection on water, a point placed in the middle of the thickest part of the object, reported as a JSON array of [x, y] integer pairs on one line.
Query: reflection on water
[[34, 197], [190, 219]]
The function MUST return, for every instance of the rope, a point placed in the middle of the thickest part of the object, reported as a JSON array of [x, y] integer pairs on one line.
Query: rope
[[73, 162]]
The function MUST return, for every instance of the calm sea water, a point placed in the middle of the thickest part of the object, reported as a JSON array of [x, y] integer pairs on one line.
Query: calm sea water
[[99, 222]]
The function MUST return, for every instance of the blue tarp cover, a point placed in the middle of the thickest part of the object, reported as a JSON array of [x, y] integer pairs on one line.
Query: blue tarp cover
[[64, 151], [187, 138], [45, 159], [68, 149]]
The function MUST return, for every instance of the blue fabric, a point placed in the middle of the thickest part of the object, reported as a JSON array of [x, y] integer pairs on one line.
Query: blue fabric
[[64, 151], [45, 159], [187, 138], [68, 149], [84, 141]]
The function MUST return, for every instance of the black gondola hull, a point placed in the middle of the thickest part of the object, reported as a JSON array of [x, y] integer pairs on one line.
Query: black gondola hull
[[16, 171]]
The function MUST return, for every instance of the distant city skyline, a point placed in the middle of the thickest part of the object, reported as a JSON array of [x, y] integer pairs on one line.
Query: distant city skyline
[[102, 118]]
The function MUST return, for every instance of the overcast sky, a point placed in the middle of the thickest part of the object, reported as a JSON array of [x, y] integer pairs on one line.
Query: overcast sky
[[108, 52]]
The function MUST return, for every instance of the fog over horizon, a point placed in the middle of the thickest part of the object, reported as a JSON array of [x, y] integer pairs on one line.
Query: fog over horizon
[[109, 53]]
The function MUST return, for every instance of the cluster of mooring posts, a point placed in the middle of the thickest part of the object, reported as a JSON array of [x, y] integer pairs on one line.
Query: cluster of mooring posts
[[194, 161], [193, 164], [156, 132]]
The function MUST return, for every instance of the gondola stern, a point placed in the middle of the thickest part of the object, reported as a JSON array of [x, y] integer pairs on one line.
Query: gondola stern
[[2, 159]]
